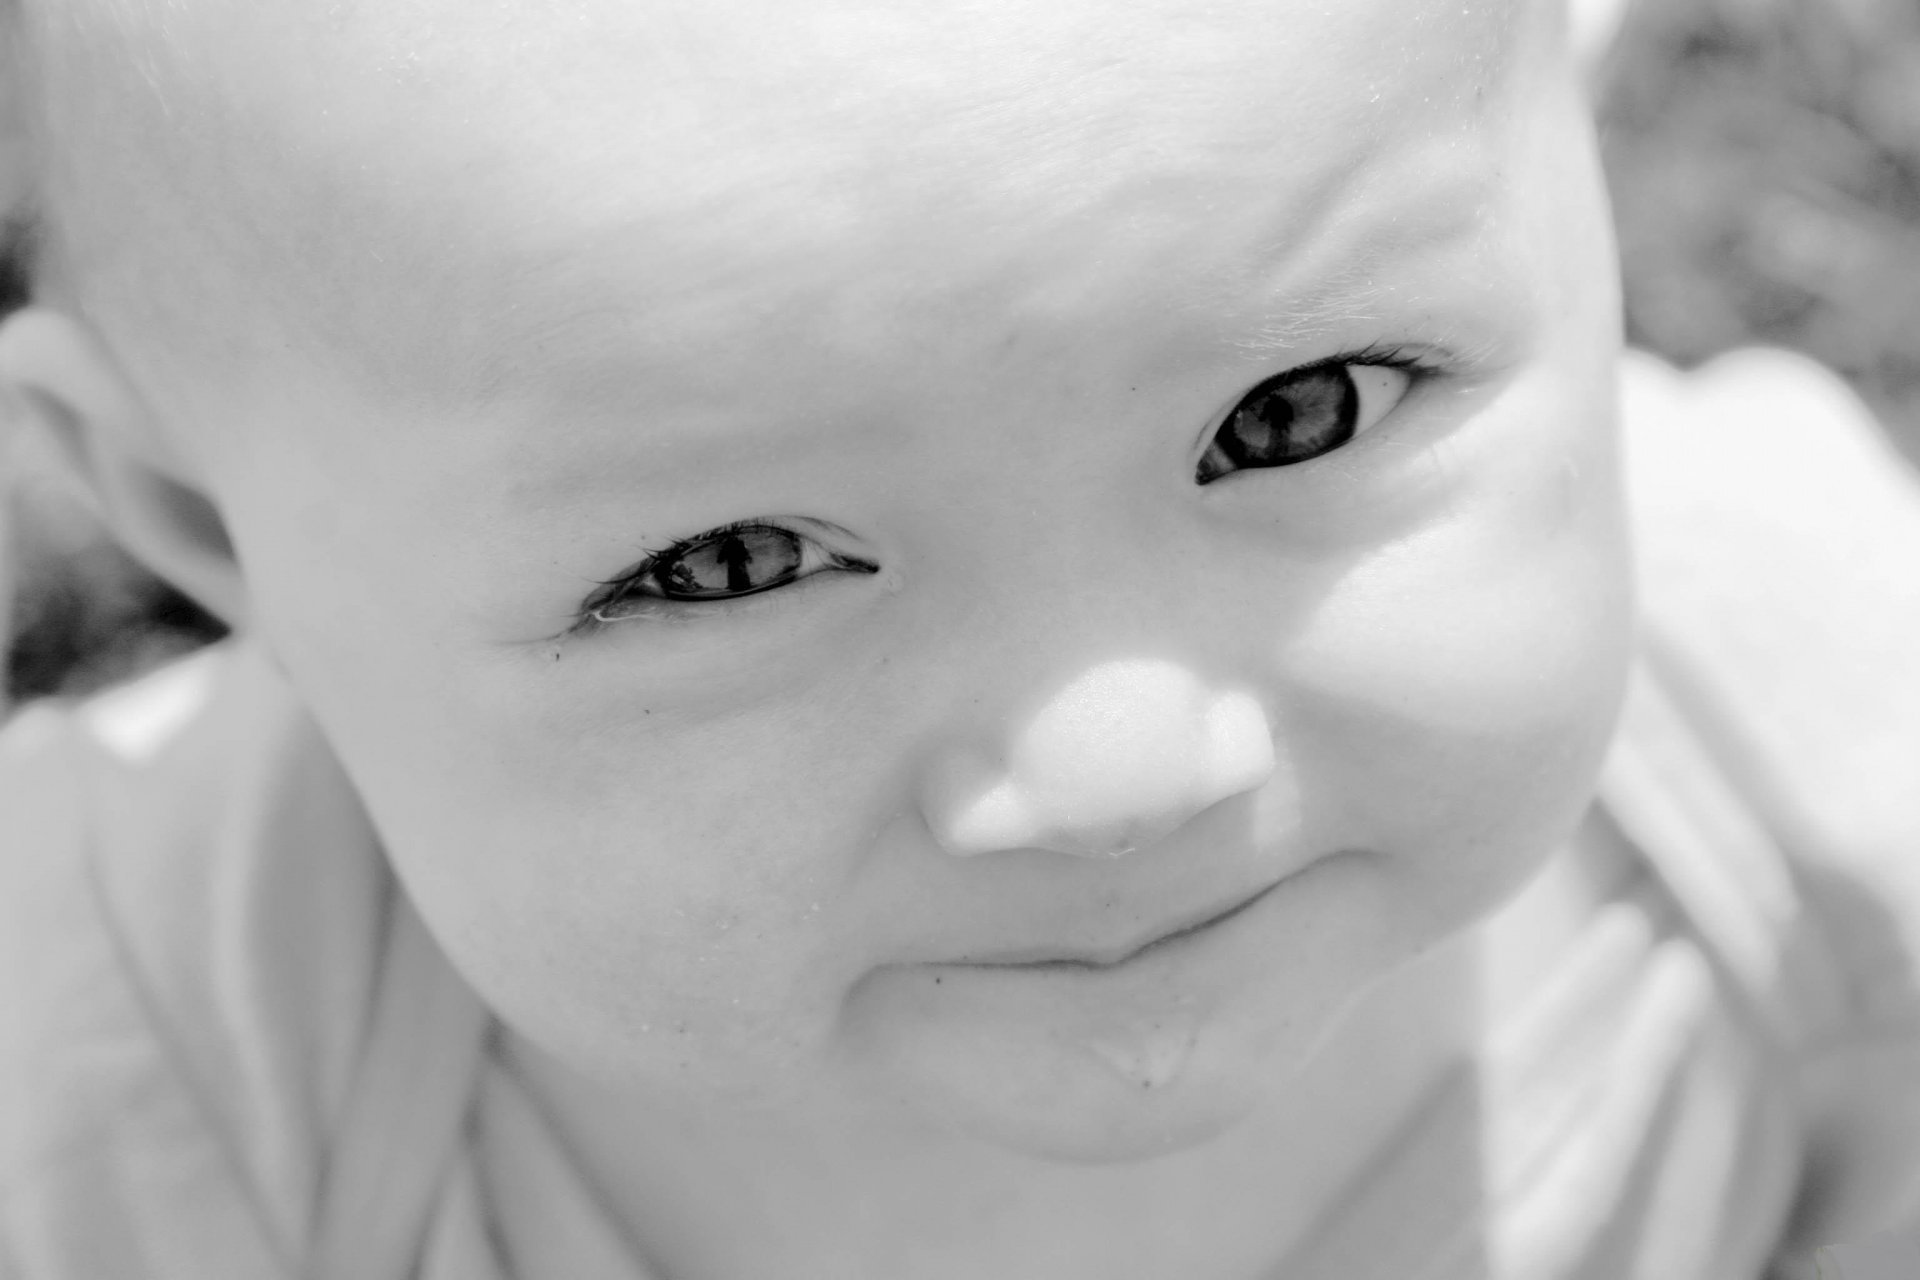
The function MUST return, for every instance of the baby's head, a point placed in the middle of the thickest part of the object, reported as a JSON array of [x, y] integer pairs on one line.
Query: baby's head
[[819, 530]]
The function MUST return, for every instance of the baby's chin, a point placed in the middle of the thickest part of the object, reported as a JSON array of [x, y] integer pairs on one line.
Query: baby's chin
[[1092, 1098]]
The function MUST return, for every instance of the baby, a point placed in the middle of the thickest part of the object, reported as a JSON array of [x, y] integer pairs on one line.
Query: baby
[[932, 642]]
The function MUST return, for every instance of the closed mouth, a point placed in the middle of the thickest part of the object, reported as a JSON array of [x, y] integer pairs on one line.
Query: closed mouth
[[1042, 961]]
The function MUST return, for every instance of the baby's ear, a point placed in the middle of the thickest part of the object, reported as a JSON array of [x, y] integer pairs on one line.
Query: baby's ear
[[64, 381]]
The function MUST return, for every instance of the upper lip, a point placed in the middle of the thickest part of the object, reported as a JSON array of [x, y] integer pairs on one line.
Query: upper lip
[[1107, 958]]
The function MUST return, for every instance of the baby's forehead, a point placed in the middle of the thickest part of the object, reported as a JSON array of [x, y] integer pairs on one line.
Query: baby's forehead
[[427, 184]]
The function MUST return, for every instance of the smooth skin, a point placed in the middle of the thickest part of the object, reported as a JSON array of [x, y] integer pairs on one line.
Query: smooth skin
[[800, 910]]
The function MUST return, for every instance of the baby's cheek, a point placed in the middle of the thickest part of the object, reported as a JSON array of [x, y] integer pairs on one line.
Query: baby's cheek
[[1479, 648], [1458, 690], [1506, 612], [665, 899]]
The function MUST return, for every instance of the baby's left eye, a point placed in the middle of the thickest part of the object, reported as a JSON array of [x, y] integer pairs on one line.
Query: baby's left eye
[[1302, 413], [721, 564]]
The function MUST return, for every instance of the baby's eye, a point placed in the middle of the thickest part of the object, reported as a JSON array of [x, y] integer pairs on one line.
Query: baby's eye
[[721, 564], [1301, 414]]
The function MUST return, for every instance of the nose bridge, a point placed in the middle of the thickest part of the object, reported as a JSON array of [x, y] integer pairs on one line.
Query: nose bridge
[[1118, 756]]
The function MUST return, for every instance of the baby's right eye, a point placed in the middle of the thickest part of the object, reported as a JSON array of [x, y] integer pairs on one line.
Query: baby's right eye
[[723, 564]]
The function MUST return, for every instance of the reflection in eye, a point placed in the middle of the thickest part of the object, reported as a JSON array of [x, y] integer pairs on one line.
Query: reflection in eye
[[721, 564], [1303, 413]]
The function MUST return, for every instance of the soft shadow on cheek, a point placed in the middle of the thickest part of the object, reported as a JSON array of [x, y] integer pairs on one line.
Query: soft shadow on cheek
[[1461, 697], [625, 979], [621, 893]]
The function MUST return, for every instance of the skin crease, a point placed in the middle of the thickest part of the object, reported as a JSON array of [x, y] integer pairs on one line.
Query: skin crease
[[453, 315]]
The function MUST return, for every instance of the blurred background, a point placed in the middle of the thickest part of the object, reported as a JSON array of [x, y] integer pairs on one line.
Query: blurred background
[[1765, 163]]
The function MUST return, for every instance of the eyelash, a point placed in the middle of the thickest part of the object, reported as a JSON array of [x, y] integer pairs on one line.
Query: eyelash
[[1220, 456], [1418, 363], [1389, 355], [622, 589]]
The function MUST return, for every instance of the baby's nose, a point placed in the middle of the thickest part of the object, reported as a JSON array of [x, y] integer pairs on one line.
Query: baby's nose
[[1123, 755]]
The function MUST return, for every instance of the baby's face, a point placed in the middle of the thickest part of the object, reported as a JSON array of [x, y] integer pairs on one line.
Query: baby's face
[[792, 517]]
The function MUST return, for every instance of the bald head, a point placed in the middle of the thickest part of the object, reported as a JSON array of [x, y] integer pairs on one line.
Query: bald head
[[424, 187]]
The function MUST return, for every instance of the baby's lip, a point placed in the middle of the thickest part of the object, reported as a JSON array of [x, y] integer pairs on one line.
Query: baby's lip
[[1053, 957]]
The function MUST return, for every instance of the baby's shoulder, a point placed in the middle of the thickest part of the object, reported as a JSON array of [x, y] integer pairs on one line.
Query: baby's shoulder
[[191, 916], [70, 780], [63, 980], [1778, 539]]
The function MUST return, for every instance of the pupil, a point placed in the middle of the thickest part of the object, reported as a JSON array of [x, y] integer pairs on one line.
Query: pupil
[[1287, 419], [733, 563]]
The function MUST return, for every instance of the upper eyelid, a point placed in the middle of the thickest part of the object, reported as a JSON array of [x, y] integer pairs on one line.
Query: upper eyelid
[[1425, 356], [1412, 358], [680, 546], [1419, 361]]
